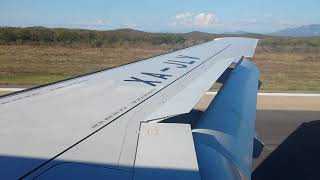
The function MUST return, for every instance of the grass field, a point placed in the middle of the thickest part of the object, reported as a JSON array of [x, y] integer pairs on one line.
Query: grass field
[[289, 68], [24, 65], [283, 68]]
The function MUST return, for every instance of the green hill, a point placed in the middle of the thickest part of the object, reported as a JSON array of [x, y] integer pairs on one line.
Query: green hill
[[93, 38]]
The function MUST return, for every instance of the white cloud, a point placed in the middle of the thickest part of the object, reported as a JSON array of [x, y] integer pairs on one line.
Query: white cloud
[[264, 23], [193, 19], [248, 21], [131, 25], [95, 22], [267, 15], [203, 19]]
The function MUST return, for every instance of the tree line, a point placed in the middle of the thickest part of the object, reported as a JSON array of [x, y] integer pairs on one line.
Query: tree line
[[111, 38], [81, 37]]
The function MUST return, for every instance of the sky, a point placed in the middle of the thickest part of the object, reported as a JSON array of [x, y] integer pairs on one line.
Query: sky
[[213, 16]]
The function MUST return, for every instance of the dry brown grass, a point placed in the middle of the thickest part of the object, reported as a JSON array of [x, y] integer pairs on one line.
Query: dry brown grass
[[289, 68], [35, 65], [282, 68]]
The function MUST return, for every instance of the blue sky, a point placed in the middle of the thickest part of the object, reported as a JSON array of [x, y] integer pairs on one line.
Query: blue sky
[[163, 15]]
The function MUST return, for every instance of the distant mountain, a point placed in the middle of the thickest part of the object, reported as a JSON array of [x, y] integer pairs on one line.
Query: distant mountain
[[196, 35], [238, 32], [302, 31]]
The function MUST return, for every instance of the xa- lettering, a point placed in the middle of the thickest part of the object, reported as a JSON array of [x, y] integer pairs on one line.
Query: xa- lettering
[[151, 83]]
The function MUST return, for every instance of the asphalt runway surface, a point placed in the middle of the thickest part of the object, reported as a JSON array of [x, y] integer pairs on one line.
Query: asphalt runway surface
[[292, 145], [289, 125]]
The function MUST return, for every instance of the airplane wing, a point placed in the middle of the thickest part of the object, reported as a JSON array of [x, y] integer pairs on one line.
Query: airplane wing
[[103, 124]]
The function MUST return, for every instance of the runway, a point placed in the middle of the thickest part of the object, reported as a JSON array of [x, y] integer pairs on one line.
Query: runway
[[292, 145], [289, 125]]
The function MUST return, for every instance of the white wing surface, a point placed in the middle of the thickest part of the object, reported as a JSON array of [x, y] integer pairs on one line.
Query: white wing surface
[[96, 118]]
